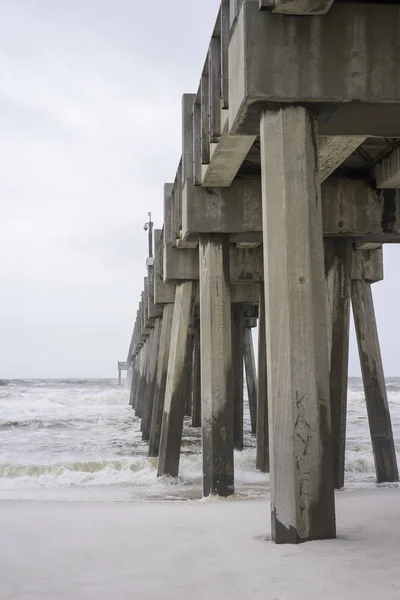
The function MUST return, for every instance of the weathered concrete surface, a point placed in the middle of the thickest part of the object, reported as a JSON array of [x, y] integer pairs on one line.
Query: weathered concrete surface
[[302, 492], [164, 293], [262, 431], [221, 210], [354, 209], [174, 405], [387, 173], [226, 159], [251, 377], [180, 264], [161, 380], [196, 410], [350, 208], [216, 366], [237, 315], [333, 150], [367, 265], [150, 392], [338, 263], [297, 7], [374, 382], [350, 87]]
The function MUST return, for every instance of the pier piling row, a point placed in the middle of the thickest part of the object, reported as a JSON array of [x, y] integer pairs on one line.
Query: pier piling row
[[286, 191]]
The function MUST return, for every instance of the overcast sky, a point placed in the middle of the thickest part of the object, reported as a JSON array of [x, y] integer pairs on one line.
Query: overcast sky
[[90, 129]]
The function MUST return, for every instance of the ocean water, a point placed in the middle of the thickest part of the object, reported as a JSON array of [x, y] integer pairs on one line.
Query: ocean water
[[79, 440]]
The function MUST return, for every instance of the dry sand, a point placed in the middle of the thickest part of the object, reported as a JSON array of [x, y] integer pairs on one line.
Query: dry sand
[[196, 550]]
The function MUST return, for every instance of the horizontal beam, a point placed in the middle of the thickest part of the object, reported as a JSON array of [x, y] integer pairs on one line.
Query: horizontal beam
[[226, 158], [350, 208], [296, 7], [333, 150], [348, 88], [246, 264], [387, 173]]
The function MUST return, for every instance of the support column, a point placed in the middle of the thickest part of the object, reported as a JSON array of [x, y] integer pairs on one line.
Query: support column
[[196, 410], [174, 407], [188, 376], [251, 378], [262, 432], [338, 257], [161, 379], [237, 373], [302, 491], [141, 380], [119, 376], [145, 380], [373, 377], [216, 365], [133, 380], [149, 400]]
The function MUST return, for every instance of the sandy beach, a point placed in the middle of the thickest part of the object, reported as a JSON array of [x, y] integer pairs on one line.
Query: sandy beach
[[198, 549]]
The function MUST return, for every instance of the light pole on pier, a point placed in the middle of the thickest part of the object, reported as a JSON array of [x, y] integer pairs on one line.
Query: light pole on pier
[[149, 227]]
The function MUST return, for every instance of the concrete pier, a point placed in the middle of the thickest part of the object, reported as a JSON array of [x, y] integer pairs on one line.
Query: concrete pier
[[284, 186]]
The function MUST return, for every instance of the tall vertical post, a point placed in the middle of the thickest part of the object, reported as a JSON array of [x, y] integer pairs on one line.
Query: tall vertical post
[[262, 430], [146, 379], [161, 379], [302, 491], [149, 401], [367, 268], [216, 365], [237, 373], [119, 375], [338, 257], [188, 376], [251, 378], [196, 408], [142, 379], [174, 406]]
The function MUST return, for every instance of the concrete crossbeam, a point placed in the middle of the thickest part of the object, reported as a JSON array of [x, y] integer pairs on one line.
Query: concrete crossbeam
[[350, 208], [296, 7], [387, 173], [224, 210], [333, 150], [226, 158]]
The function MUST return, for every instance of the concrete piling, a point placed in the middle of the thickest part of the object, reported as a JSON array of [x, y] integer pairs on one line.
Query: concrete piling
[[372, 367], [251, 377], [174, 405], [262, 429], [196, 388], [237, 315], [297, 345], [216, 365], [161, 379], [267, 192], [338, 260], [150, 392]]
